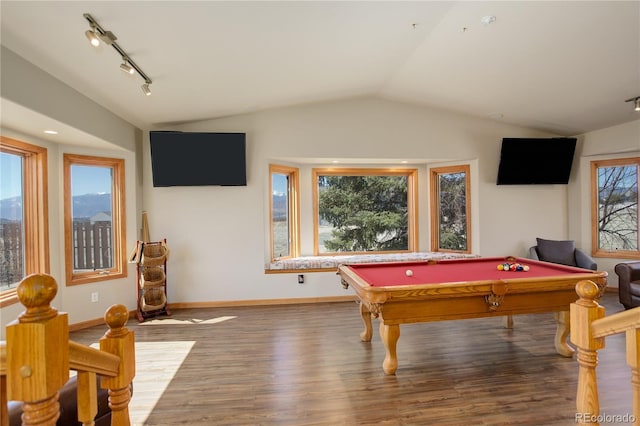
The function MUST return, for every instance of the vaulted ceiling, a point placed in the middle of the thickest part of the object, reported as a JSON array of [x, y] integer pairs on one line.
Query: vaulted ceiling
[[562, 67]]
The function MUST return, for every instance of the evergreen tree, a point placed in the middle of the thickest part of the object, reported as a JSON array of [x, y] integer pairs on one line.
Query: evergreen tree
[[368, 213], [453, 219]]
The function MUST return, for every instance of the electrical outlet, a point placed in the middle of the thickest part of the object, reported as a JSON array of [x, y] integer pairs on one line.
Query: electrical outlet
[[300, 279], [94, 296]]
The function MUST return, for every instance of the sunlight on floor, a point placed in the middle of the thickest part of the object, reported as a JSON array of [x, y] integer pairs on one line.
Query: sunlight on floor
[[166, 321], [152, 379]]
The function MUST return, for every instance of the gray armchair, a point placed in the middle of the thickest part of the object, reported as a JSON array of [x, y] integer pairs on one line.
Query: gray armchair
[[628, 283], [562, 252]]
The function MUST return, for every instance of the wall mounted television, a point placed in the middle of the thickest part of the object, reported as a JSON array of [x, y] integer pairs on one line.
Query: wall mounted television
[[198, 159], [535, 161]]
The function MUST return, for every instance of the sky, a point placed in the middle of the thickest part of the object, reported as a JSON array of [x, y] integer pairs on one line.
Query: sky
[[10, 168], [90, 180], [86, 179], [279, 184]]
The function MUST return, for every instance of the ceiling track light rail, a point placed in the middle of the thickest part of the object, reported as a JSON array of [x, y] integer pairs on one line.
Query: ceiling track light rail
[[96, 34]]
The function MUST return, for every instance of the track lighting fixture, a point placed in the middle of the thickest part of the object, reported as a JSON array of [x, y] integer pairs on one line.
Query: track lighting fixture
[[636, 103], [92, 36], [96, 34], [124, 66]]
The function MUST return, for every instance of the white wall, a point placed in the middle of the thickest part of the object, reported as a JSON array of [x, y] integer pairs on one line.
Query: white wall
[[219, 235], [25, 84]]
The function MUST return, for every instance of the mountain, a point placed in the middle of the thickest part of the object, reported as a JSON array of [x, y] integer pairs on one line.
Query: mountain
[[89, 204], [279, 205], [85, 205], [11, 208]]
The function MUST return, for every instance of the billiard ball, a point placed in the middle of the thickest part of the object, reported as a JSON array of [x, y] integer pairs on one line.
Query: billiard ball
[[409, 272]]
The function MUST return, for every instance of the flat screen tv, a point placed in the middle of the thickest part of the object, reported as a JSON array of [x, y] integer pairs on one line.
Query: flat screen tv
[[535, 161], [198, 159]]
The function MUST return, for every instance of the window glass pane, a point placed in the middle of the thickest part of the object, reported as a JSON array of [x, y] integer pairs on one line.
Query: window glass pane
[[280, 215], [618, 208], [452, 223], [92, 237], [11, 221], [362, 213]]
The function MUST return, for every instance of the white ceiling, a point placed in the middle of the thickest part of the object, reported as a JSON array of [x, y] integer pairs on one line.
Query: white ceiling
[[562, 67]]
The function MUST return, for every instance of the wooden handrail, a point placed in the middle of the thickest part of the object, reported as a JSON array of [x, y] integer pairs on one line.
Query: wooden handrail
[[589, 327], [37, 356], [85, 358], [616, 323]]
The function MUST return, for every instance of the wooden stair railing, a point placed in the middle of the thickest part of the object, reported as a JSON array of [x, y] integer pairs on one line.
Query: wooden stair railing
[[36, 358], [589, 328]]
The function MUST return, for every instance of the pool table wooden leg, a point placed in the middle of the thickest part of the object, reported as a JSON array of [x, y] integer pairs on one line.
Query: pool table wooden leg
[[507, 321], [366, 335], [562, 332], [390, 335]]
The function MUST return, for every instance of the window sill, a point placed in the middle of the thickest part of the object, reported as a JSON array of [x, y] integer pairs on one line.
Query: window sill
[[331, 263], [93, 277]]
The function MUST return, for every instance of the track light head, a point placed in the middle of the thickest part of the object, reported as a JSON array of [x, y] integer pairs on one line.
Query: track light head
[[124, 66], [636, 103], [146, 89], [92, 37]]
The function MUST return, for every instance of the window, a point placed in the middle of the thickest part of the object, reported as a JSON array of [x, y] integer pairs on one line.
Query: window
[[364, 210], [450, 206], [284, 212], [24, 228], [94, 217], [614, 187]]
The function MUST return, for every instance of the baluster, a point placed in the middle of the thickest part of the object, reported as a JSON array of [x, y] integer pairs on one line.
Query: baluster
[[4, 413], [583, 313], [35, 373], [87, 397], [118, 340], [633, 359]]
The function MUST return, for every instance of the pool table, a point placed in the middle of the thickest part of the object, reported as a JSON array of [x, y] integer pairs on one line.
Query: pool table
[[409, 292]]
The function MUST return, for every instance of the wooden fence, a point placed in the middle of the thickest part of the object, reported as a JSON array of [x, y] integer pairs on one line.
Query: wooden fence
[[11, 258], [92, 248], [92, 245]]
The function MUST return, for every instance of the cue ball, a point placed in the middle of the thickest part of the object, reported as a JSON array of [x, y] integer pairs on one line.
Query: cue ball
[[409, 272]]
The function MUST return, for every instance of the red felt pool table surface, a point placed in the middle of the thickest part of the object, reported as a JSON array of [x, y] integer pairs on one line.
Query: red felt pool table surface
[[460, 289], [456, 271]]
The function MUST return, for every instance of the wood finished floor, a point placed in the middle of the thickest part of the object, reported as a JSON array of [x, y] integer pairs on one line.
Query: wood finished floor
[[305, 365]]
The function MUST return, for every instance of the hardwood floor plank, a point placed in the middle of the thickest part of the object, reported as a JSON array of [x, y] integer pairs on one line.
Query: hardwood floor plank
[[305, 365]]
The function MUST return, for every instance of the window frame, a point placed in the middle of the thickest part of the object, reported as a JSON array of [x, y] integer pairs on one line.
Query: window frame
[[118, 218], [595, 204], [293, 206], [412, 202], [434, 202], [35, 209]]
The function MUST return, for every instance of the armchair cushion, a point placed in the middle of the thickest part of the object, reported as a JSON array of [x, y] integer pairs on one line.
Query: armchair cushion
[[563, 252]]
